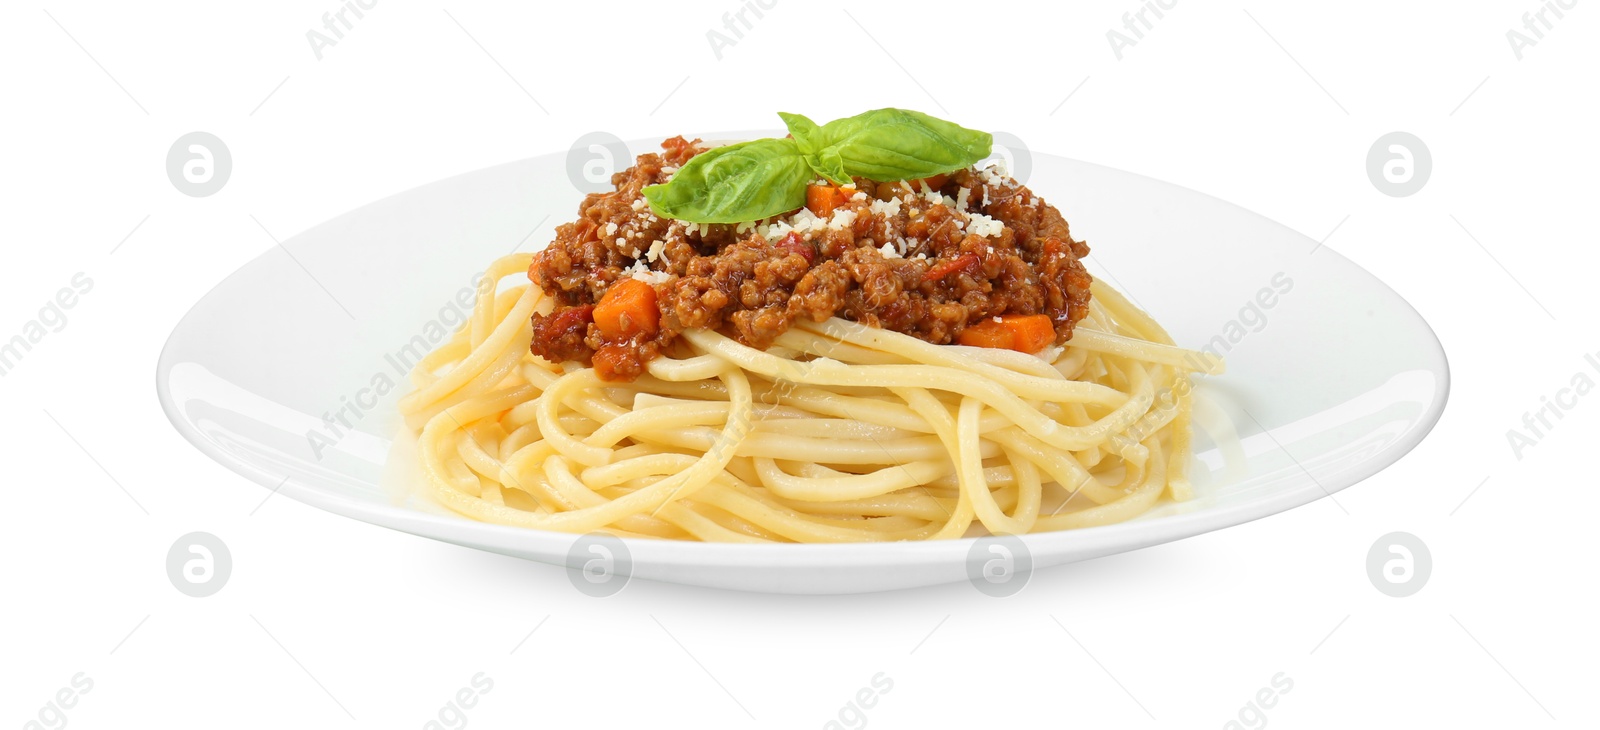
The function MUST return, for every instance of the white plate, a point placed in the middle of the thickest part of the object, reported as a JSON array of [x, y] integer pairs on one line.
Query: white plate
[[1332, 382]]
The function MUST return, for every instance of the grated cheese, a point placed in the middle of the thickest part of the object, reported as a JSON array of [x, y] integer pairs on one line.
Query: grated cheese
[[983, 225], [643, 273], [996, 171], [802, 221], [651, 277]]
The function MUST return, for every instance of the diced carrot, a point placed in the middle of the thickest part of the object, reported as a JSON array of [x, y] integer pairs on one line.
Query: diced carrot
[[987, 333], [820, 200], [934, 183], [628, 308], [946, 268], [1021, 332], [1033, 332]]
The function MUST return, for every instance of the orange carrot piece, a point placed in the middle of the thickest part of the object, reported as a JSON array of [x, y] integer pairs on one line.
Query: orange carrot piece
[[934, 183], [1032, 332], [819, 200], [628, 308], [822, 199], [1021, 332], [987, 333]]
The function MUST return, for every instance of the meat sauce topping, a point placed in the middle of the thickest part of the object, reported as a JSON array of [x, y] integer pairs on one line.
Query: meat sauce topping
[[971, 257]]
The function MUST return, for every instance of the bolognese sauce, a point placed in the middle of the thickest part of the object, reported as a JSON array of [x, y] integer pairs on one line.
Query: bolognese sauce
[[970, 257]]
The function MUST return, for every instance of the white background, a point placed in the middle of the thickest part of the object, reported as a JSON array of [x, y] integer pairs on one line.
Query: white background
[[327, 622]]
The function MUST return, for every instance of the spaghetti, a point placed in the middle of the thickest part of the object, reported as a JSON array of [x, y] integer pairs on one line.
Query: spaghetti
[[836, 432]]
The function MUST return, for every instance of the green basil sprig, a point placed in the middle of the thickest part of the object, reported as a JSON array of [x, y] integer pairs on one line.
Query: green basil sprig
[[892, 144], [813, 143], [733, 184], [765, 177]]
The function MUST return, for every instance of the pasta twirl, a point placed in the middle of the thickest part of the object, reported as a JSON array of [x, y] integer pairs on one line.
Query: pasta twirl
[[839, 432]]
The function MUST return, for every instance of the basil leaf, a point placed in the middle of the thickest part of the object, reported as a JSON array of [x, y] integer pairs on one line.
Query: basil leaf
[[809, 137], [830, 165], [740, 182], [900, 144], [806, 132], [766, 177]]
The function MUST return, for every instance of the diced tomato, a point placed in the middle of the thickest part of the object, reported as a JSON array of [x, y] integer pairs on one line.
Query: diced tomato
[[934, 183], [610, 361], [563, 326], [572, 318], [795, 244], [676, 144]]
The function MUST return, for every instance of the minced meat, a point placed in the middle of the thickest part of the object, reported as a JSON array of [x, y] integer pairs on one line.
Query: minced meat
[[901, 256]]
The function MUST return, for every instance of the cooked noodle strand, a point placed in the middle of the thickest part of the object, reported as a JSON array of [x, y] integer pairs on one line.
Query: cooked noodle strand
[[841, 432]]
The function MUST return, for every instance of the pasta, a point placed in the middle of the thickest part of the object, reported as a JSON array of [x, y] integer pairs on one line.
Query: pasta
[[838, 432]]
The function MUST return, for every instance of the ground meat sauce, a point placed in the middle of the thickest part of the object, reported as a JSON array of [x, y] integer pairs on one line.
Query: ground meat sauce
[[905, 257]]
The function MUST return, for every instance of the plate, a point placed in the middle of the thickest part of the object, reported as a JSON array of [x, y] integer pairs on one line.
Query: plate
[[288, 371]]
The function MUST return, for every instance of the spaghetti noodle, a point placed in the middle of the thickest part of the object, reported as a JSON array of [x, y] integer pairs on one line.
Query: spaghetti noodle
[[837, 432]]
